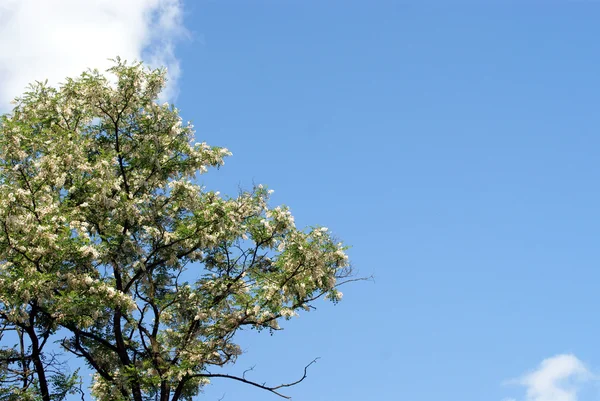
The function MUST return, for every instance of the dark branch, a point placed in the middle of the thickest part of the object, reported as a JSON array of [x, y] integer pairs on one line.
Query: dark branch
[[272, 389]]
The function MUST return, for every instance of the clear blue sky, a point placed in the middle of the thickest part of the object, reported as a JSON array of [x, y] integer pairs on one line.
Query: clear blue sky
[[455, 147]]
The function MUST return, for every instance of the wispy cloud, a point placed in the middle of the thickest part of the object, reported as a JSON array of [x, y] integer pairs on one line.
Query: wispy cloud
[[559, 378], [41, 39]]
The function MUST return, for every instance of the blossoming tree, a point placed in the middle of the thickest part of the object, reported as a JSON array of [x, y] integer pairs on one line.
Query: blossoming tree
[[110, 248]]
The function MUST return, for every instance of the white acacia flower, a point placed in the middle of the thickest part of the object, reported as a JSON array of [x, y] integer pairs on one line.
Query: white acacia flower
[[88, 250]]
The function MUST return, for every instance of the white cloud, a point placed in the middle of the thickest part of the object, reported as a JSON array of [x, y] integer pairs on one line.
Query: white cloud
[[53, 39], [559, 378]]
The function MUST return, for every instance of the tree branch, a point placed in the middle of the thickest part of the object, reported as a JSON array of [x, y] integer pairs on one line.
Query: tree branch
[[272, 389]]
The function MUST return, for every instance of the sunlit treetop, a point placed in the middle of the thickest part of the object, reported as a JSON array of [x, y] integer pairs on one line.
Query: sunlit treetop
[[109, 246]]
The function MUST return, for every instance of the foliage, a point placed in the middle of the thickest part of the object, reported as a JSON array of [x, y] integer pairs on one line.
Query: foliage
[[109, 247]]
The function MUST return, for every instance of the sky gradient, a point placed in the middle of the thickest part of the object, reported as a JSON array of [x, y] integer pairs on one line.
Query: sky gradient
[[454, 147]]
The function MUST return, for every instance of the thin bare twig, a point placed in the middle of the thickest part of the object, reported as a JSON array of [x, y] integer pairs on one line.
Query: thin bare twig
[[263, 386]]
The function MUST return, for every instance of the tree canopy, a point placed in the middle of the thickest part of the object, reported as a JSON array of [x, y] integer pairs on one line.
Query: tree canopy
[[111, 248]]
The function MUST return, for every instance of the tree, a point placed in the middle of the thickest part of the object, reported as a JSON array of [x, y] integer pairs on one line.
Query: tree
[[110, 248]]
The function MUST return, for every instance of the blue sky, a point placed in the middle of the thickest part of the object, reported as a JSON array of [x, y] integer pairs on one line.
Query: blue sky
[[455, 147]]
